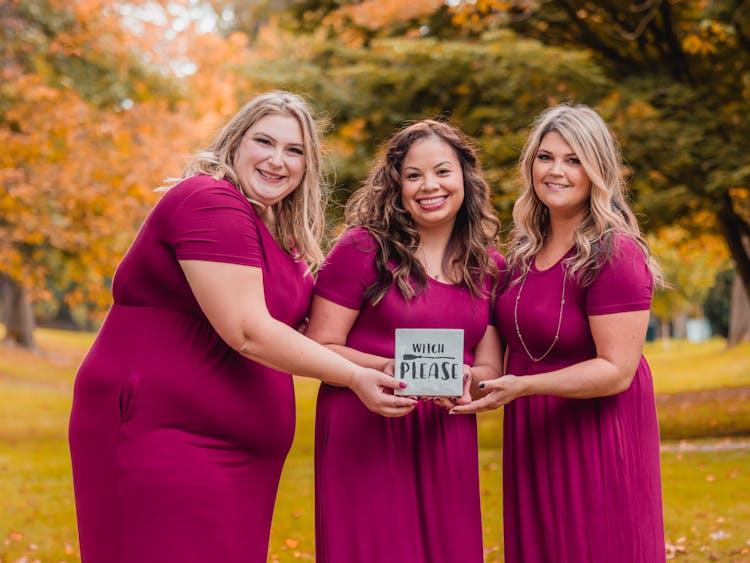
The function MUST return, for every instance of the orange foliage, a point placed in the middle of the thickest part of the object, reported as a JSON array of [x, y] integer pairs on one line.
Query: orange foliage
[[376, 14], [76, 179]]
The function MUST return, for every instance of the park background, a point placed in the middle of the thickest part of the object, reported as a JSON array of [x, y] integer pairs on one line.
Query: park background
[[102, 101]]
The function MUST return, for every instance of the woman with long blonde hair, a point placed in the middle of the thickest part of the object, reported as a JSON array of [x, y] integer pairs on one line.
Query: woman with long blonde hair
[[581, 476], [183, 409]]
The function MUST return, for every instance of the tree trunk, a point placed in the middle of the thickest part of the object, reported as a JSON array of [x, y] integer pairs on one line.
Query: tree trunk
[[16, 313], [736, 231], [736, 235], [739, 317]]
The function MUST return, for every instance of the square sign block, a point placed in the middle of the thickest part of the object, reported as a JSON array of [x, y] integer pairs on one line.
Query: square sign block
[[430, 361]]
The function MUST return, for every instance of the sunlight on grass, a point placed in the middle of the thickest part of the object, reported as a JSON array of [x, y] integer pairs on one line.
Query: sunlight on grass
[[684, 366]]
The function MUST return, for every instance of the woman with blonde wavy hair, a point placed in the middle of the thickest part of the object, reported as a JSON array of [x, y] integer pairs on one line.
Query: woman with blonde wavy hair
[[581, 476], [418, 253], [183, 409]]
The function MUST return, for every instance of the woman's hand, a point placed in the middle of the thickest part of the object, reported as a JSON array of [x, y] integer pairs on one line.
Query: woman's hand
[[464, 399], [500, 391], [375, 390]]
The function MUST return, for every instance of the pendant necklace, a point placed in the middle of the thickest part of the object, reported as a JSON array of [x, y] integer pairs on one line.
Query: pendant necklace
[[559, 319]]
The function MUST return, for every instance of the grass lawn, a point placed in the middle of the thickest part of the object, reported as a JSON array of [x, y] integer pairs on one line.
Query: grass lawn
[[707, 508]]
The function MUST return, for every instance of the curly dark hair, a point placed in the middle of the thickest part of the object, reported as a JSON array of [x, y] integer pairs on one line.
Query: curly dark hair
[[377, 207]]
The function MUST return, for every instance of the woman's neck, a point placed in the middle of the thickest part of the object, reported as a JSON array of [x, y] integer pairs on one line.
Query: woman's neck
[[557, 242], [431, 252]]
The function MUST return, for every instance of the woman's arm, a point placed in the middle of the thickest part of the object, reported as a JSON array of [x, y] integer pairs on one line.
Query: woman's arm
[[487, 360], [619, 341], [330, 324], [232, 298]]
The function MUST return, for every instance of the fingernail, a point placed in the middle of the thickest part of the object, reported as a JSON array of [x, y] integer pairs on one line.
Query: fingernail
[[402, 385], [481, 385], [466, 376]]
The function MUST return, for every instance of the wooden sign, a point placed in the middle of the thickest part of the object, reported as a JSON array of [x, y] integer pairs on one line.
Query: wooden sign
[[430, 361]]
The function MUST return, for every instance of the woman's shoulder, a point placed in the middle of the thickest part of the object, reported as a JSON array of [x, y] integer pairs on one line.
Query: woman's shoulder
[[624, 247], [204, 196], [204, 185], [497, 257], [358, 237]]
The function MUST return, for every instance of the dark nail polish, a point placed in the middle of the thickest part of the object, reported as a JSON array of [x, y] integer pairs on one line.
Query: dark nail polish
[[481, 385]]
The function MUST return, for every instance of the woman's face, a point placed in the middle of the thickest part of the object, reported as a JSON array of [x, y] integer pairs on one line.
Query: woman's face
[[270, 161], [432, 183], [560, 181]]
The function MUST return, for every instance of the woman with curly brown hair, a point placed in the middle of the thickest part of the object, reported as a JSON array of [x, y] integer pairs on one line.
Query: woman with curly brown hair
[[418, 253]]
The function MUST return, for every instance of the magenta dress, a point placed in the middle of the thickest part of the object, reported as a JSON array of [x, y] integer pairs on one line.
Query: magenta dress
[[581, 478], [395, 490], [177, 441]]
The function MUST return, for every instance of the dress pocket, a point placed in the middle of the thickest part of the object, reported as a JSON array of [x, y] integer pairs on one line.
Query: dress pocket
[[127, 395]]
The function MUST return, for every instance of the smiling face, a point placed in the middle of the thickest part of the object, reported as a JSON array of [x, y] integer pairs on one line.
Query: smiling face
[[432, 183], [560, 181], [270, 160]]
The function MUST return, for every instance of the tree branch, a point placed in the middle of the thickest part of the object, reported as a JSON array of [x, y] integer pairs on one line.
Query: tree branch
[[589, 37], [653, 7]]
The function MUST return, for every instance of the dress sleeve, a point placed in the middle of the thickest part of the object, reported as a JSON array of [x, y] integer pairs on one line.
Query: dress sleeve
[[623, 284], [494, 291], [213, 222], [348, 269]]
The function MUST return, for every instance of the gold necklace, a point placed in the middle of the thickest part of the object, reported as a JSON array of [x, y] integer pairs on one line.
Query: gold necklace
[[559, 319]]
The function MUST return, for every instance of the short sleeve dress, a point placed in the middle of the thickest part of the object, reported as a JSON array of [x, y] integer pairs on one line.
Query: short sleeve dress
[[177, 442], [395, 490], [581, 477]]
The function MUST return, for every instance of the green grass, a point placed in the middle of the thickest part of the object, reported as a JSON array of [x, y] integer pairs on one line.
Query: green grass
[[679, 366], [706, 504], [707, 508]]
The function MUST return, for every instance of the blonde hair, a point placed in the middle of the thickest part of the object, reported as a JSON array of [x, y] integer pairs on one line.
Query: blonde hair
[[300, 216], [608, 212], [377, 206]]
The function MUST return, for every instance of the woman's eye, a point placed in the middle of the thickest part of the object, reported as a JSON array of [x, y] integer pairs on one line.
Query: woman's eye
[[543, 156], [575, 160], [443, 172], [296, 151], [412, 176], [262, 141]]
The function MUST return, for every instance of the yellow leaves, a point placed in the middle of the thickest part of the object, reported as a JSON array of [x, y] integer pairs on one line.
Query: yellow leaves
[[350, 134], [708, 37], [291, 547], [640, 109], [472, 13], [697, 45], [353, 129], [690, 262]]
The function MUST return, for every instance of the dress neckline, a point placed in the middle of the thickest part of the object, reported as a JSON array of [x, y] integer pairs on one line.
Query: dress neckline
[[533, 268]]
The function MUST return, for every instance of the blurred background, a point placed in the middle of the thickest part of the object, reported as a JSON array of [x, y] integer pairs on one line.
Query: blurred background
[[102, 101]]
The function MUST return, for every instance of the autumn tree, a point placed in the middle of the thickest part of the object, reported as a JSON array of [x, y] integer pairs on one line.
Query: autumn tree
[[92, 119]]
